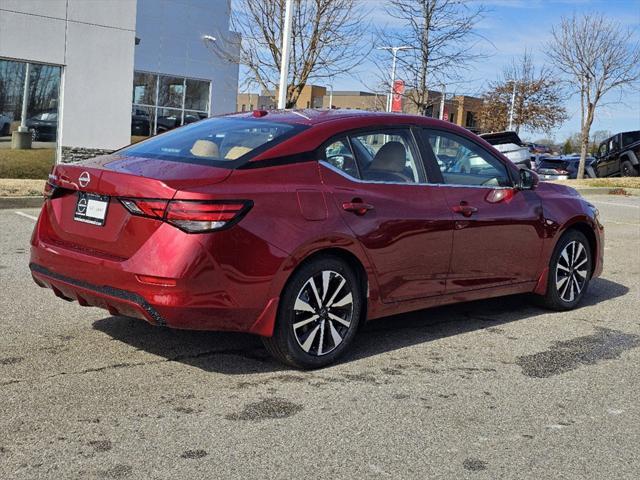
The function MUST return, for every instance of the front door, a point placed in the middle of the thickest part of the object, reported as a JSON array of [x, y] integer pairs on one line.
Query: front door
[[379, 184], [497, 236]]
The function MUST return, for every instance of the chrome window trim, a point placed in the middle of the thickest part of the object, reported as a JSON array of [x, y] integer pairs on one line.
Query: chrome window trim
[[374, 182]]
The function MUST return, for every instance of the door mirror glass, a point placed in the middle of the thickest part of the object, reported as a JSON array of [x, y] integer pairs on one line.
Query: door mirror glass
[[528, 179]]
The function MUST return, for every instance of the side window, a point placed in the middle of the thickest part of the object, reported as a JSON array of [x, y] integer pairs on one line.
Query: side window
[[464, 163], [339, 155], [602, 150], [387, 156]]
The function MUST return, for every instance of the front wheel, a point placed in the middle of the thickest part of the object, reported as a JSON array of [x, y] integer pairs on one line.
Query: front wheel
[[318, 315], [569, 272]]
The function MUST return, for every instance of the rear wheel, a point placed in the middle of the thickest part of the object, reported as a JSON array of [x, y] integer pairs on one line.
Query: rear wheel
[[318, 315], [628, 170], [569, 272]]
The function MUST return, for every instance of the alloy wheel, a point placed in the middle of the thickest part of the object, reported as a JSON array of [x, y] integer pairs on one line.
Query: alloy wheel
[[571, 271], [323, 313]]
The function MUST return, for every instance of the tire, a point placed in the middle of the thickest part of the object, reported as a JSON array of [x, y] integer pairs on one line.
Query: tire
[[303, 322], [571, 261], [34, 134], [627, 169]]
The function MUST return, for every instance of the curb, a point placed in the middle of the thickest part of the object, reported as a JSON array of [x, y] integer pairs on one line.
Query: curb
[[21, 202], [606, 191]]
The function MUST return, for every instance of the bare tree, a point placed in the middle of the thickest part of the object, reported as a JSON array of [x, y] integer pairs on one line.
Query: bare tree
[[596, 57], [327, 40], [538, 104], [443, 38]]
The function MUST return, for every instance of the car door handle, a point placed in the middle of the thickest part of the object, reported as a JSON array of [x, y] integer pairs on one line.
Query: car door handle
[[357, 207], [464, 210]]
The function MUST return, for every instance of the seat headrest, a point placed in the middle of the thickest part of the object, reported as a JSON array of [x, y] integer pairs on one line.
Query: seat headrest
[[392, 157], [205, 149]]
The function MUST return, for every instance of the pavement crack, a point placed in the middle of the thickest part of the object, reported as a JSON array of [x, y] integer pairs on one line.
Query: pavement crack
[[251, 354]]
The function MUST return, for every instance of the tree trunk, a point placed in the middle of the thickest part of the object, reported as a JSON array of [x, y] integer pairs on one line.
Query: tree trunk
[[584, 141]]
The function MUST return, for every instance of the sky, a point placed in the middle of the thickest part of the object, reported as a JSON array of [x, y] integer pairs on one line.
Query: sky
[[510, 27]]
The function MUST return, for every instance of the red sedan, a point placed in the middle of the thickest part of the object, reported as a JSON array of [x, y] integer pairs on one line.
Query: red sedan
[[300, 225]]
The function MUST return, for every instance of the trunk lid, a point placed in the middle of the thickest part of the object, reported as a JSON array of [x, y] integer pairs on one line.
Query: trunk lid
[[116, 177]]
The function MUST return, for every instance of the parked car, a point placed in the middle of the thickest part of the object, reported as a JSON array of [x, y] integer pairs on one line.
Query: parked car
[[510, 145], [619, 155], [5, 125], [300, 225], [539, 149], [140, 123], [43, 126], [565, 166]]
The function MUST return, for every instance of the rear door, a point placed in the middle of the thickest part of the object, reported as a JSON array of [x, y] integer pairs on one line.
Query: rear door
[[497, 233], [379, 185]]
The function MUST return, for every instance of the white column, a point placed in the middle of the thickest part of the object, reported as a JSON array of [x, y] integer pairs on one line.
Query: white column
[[286, 46], [25, 99]]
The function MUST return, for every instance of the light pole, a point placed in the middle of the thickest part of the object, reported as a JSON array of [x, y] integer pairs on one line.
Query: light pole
[[330, 97], [286, 46], [513, 101], [394, 51]]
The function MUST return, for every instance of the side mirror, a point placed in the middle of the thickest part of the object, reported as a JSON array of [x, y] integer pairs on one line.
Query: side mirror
[[528, 179]]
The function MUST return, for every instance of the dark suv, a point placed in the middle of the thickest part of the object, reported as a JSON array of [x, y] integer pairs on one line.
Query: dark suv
[[619, 155]]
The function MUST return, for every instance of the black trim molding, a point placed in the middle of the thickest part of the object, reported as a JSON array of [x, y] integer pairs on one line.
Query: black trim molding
[[104, 290]]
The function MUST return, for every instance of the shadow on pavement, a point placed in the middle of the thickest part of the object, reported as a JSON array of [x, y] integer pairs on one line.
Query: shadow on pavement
[[237, 353]]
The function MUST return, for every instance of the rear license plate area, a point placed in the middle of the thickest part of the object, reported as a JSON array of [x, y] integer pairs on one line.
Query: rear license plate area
[[91, 208]]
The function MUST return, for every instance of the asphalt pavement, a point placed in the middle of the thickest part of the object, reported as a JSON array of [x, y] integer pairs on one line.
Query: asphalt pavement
[[484, 390]]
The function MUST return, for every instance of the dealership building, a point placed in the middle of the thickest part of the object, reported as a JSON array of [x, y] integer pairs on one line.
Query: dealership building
[[102, 71]]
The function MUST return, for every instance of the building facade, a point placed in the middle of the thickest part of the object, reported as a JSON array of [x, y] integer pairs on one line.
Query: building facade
[[463, 110], [102, 70]]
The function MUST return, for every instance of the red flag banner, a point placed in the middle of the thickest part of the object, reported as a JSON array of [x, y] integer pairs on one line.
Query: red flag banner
[[396, 101]]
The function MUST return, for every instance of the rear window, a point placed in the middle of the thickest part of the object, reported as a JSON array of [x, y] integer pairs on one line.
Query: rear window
[[630, 137], [220, 142]]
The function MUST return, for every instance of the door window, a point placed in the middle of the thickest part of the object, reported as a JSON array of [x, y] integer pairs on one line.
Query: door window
[[339, 154], [464, 163], [388, 156]]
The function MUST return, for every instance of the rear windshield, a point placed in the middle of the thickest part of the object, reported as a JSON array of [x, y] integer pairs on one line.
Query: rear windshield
[[226, 142]]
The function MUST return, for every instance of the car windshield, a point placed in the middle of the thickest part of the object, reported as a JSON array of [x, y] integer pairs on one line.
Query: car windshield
[[226, 142]]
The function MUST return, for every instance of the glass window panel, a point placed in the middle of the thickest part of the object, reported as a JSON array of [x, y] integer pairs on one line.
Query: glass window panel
[[142, 121], [464, 163], [42, 110], [191, 116], [387, 156], [171, 92], [216, 141], [168, 119], [197, 95], [144, 88], [11, 86], [339, 155]]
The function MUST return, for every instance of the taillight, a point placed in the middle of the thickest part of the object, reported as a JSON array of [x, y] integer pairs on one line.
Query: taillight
[[192, 216], [206, 216], [145, 207], [49, 190]]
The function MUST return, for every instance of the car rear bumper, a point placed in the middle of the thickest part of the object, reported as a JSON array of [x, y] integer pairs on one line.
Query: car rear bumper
[[203, 293], [116, 301], [547, 176]]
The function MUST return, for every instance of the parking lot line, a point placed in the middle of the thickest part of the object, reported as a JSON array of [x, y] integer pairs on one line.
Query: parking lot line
[[26, 215]]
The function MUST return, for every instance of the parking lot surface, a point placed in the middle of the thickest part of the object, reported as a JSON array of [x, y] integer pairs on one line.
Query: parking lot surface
[[491, 389]]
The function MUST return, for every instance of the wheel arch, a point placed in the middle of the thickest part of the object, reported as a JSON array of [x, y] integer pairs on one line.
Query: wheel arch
[[344, 248], [582, 224]]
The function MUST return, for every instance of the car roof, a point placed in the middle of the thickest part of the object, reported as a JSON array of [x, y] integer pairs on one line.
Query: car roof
[[312, 117]]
